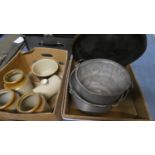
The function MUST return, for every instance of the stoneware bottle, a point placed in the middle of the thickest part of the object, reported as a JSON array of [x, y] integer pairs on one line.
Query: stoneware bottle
[[32, 103], [17, 80], [8, 100], [48, 87]]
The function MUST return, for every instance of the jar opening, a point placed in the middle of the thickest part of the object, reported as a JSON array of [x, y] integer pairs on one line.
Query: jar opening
[[13, 76], [30, 103]]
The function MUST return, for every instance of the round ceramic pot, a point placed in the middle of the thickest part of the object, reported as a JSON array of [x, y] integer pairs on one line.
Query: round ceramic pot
[[32, 103], [8, 100], [17, 80], [44, 67]]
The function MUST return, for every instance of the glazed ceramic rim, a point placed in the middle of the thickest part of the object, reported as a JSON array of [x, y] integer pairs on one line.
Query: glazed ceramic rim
[[40, 61], [3, 91], [11, 72], [25, 97], [100, 60]]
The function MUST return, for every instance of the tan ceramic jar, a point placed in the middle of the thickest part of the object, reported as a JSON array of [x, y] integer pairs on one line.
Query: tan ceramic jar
[[17, 80], [8, 100], [32, 103]]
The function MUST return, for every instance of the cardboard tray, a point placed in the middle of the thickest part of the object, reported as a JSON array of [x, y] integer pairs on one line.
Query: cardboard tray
[[24, 62], [133, 108]]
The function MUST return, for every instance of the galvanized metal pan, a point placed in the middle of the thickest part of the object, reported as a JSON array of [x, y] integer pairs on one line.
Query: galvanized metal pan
[[101, 81], [83, 104]]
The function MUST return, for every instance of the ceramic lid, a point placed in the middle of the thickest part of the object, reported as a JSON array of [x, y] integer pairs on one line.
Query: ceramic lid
[[121, 48]]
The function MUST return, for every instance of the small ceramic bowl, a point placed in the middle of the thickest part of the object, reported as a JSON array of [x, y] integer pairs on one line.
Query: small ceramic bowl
[[44, 67]]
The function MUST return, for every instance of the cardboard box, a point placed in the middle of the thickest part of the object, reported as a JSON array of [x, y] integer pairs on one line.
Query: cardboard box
[[24, 62], [133, 108]]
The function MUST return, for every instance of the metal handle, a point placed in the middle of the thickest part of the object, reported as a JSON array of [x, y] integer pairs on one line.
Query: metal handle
[[79, 62], [121, 98]]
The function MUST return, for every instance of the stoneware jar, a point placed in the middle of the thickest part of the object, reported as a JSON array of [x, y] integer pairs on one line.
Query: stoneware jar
[[8, 100], [44, 67], [17, 80], [32, 103], [49, 87]]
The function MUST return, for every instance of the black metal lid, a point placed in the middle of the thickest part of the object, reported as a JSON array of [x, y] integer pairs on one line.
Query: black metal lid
[[121, 48]]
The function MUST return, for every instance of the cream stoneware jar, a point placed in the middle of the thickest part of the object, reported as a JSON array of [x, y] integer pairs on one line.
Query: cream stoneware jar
[[32, 103], [44, 67], [8, 100], [17, 80]]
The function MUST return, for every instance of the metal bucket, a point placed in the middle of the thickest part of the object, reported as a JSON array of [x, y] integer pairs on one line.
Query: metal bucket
[[84, 105], [101, 81]]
